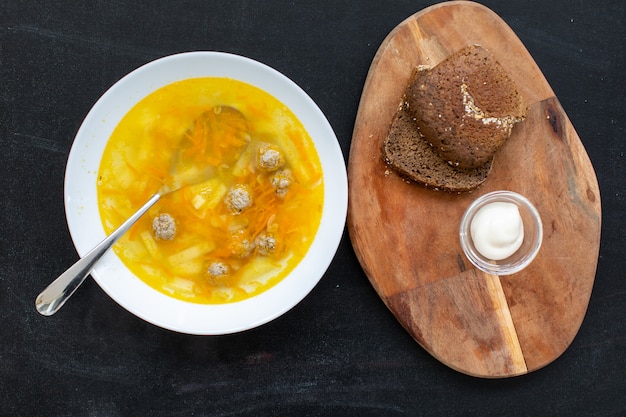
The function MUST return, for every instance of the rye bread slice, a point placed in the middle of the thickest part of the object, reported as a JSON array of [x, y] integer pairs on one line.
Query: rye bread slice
[[406, 152], [466, 106]]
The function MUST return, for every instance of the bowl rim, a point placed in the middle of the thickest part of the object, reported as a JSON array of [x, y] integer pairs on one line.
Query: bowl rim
[[465, 237], [131, 292]]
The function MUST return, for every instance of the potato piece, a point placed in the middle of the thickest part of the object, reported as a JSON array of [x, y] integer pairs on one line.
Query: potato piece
[[180, 286], [185, 176], [258, 271], [297, 159], [191, 253], [223, 293], [244, 163], [150, 244], [207, 195], [189, 268]]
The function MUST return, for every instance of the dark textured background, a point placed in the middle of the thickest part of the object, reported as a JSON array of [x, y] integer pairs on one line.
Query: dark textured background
[[340, 351]]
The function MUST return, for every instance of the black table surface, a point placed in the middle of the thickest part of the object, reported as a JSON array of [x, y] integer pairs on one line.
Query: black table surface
[[340, 351]]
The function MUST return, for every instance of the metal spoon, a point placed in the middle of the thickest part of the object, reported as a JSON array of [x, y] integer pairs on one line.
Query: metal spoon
[[51, 299], [57, 293]]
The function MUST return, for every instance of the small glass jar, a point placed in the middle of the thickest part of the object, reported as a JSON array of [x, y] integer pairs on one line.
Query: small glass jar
[[533, 234]]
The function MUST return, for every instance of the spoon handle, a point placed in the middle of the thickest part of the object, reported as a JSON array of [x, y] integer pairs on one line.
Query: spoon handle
[[56, 294]]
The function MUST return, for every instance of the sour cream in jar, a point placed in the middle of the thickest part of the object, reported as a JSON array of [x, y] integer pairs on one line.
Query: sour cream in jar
[[497, 230]]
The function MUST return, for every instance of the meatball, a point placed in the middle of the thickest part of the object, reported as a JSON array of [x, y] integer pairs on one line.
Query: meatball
[[265, 243], [269, 158], [164, 227], [281, 181], [217, 273], [238, 199], [240, 246], [217, 269]]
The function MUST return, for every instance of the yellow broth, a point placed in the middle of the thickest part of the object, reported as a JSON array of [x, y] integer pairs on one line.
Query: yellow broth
[[191, 135]]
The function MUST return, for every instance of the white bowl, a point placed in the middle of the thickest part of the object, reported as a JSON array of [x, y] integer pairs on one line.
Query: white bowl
[[122, 285]]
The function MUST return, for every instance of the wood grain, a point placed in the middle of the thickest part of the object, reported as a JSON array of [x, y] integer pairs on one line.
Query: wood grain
[[406, 236]]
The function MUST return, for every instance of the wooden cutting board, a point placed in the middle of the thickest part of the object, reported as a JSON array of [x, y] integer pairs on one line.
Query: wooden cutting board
[[406, 236]]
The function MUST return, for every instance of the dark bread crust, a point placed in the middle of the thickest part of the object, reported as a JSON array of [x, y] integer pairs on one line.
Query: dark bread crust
[[406, 151], [466, 106]]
